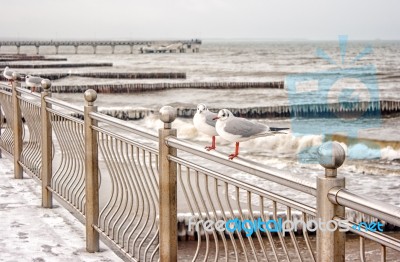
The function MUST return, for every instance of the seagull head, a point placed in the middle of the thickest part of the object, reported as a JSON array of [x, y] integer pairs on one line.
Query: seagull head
[[223, 115], [201, 108]]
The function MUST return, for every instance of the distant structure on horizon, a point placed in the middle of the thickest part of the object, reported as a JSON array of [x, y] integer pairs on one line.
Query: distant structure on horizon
[[146, 46]]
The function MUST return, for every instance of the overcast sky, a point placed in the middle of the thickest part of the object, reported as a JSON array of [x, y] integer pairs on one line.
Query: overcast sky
[[205, 19]]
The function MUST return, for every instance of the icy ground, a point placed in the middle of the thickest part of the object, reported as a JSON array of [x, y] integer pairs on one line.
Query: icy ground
[[29, 232]]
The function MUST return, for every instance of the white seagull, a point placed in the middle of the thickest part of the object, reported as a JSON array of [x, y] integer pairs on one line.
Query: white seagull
[[237, 129], [7, 73], [204, 122], [33, 82]]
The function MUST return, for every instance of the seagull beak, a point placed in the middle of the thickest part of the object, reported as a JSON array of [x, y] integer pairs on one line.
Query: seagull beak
[[215, 118]]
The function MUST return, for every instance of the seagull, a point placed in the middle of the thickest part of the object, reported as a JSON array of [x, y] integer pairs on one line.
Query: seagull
[[7, 73], [203, 122], [237, 129], [33, 82]]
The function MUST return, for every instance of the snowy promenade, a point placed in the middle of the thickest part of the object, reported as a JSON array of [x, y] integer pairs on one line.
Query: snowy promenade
[[29, 232]]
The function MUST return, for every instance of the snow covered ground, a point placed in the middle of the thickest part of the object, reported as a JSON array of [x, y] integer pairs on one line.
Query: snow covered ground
[[29, 232]]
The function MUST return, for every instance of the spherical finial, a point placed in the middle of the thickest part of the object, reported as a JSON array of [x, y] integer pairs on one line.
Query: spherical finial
[[331, 155], [46, 84], [15, 76], [167, 115], [90, 96]]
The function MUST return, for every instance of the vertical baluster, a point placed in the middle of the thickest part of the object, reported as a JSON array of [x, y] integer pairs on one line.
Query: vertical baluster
[[383, 253], [362, 249]]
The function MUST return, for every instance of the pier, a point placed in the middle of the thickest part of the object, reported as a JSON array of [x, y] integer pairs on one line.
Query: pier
[[193, 44], [128, 185]]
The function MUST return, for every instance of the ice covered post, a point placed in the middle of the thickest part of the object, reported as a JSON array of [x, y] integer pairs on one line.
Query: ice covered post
[[17, 127], [91, 173], [330, 244], [168, 198], [47, 148]]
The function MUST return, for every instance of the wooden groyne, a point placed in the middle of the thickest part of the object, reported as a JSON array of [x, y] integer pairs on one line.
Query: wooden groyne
[[63, 65], [341, 110], [111, 75], [143, 87], [29, 58]]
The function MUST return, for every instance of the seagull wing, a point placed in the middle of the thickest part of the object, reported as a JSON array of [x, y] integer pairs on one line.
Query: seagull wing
[[35, 80], [8, 73], [245, 128], [210, 118]]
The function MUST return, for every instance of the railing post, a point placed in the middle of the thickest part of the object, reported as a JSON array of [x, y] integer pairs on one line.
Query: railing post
[[168, 198], [91, 174], [47, 147], [330, 244], [17, 127]]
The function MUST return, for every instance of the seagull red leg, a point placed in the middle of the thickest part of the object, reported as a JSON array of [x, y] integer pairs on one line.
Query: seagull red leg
[[232, 156], [212, 145]]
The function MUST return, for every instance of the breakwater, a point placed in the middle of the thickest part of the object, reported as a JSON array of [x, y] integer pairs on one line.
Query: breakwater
[[24, 57], [27, 58], [350, 109], [63, 65], [112, 75], [143, 87]]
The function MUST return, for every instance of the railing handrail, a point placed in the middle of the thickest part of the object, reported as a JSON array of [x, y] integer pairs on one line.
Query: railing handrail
[[64, 105], [378, 209], [248, 166], [377, 236], [27, 92], [138, 130], [6, 86]]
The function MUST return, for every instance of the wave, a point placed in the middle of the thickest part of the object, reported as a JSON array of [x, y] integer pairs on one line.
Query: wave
[[290, 145]]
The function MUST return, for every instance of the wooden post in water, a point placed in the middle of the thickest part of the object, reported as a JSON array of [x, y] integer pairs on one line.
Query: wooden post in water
[[91, 173], [47, 148], [168, 197], [17, 127]]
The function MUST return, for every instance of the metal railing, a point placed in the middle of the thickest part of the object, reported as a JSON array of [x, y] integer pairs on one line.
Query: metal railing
[[142, 192]]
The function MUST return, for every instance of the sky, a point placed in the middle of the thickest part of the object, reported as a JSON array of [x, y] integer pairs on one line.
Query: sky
[[204, 19]]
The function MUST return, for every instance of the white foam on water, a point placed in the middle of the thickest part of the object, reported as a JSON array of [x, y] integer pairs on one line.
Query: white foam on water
[[388, 153]]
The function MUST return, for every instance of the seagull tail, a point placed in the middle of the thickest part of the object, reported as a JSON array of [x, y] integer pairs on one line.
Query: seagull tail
[[274, 129], [277, 130]]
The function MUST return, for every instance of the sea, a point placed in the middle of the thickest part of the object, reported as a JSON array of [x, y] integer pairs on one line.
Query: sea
[[372, 145]]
